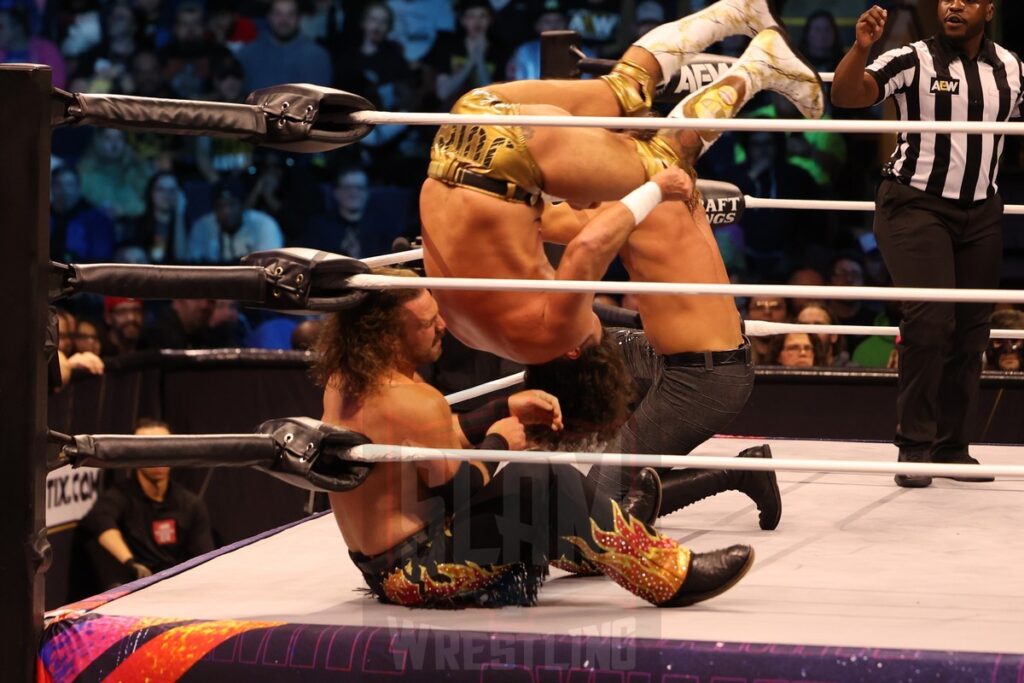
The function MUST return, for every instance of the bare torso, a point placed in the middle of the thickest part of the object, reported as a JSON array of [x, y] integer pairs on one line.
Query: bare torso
[[670, 245], [469, 234], [393, 502], [674, 246]]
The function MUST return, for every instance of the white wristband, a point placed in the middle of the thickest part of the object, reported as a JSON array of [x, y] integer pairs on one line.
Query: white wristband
[[642, 200]]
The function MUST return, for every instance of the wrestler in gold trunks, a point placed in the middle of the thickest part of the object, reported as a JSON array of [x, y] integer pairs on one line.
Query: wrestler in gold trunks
[[481, 204]]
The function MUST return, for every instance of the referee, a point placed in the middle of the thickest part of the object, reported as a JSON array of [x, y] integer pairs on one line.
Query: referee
[[938, 212]]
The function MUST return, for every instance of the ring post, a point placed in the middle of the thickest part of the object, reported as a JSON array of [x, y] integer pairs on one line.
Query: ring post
[[24, 253]]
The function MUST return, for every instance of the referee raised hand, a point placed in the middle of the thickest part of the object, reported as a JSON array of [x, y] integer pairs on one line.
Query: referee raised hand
[[938, 212]]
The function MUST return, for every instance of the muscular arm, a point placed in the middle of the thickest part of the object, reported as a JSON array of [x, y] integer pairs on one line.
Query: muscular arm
[[853, 86], [560, 223], [112, 540]]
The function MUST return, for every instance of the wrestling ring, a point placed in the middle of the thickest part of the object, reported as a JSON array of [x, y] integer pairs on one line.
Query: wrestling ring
[[863, 581]]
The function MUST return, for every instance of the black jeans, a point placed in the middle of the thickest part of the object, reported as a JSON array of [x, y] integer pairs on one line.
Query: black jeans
[[683, 408], [928, 241]]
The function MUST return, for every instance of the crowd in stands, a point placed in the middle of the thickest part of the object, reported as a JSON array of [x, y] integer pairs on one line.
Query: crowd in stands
[[148, 198]]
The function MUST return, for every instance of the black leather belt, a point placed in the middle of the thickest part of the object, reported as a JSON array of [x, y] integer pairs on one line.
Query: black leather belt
[[710, 359], [499, 188]]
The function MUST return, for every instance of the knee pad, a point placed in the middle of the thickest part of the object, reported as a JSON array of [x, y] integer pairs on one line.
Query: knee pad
[[623, 79]]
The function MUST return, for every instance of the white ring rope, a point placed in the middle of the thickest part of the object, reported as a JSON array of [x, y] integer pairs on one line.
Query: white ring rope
[[831, 205], [485, 388], [660, 123], [824, 292], [765, 328], [391, 259], [386, 453]]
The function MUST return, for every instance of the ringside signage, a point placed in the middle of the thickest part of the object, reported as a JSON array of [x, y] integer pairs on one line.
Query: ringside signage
[[70, 494]]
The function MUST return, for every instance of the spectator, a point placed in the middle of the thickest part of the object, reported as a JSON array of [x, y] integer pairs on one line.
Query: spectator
[[417, 23], [515, 17], [88, 338], [124, 326], [324, 22], [833, 346], [847, 271], [286, 190], [190, 324], [804, 277], [305, 334], [227, 326], [469, 58], [820, 41], [770, 235], [67, 326], [147, 523], [373, 61], [349, 228], [189, 57], [17, 44], [79, 26], [770, 309], [216, 156], [877, 351], [1005, 354], [160, 231], [113, 176], [86, 363], [797, 350], [228, 232], [154, 18], [227, 27], [146, 76], [79, 232], [525, 61], [282, 54], [107, 65]]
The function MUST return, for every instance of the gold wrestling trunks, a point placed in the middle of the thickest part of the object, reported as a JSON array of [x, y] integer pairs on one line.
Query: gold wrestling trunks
[[489, 159], [494, 159]]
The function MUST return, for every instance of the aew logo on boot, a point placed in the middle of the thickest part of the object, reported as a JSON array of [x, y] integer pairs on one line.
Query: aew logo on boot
[[943, 86]]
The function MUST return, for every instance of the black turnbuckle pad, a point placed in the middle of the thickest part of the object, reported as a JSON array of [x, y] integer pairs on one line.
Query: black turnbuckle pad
[[312, 454], [310, 118], [308, 281]]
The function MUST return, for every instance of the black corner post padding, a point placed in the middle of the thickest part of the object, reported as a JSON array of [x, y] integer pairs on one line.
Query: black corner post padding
[[307, 280], [310, 118], [312, 454]]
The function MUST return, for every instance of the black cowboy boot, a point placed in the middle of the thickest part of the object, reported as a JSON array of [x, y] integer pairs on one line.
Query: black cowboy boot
[[684, 487], [656, 567], [712, 574], [644, 498]]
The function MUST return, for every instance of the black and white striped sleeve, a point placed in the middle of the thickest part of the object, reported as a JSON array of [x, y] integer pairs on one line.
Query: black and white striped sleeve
[[894, 70], [1018, 106]]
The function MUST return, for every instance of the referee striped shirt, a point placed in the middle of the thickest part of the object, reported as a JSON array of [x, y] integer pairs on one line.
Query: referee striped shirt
[[930, 80]]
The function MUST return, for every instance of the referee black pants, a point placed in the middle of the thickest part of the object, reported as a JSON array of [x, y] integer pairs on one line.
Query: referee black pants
[[928, 241]]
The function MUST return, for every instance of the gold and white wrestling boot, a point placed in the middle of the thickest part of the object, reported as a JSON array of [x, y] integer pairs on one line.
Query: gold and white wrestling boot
[[769, 63], [675, 43]]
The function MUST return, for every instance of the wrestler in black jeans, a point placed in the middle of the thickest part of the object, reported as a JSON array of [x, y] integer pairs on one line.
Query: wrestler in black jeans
[[691, 397], [928, 241]]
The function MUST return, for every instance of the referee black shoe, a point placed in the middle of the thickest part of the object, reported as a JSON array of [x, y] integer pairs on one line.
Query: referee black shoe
[[913, 481], [960, 459]]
